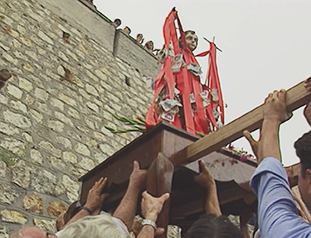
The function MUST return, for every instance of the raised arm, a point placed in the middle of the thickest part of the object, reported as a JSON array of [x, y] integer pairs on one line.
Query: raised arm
[[127, 208], [277, 213], [94, 201], [150, 208], [275, 113], [206, 180]]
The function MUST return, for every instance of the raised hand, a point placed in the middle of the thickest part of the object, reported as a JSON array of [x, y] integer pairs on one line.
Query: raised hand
[[204, 178], [138, 177], [307, 84], [152, 206], [254, 144], [95, 198], [275, 107]]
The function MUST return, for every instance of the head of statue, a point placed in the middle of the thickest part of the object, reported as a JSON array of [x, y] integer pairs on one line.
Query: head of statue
[[191, 40]]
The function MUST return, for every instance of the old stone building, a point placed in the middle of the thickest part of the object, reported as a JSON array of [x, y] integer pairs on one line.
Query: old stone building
[[71, 71]]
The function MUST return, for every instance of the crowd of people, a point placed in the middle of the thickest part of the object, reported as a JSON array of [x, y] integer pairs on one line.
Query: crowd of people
[[149, 46]]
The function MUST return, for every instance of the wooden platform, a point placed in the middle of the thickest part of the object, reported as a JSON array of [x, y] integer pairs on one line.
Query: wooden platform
[[232, 176]]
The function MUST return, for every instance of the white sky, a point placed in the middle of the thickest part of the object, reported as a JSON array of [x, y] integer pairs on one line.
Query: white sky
[[265, 44]]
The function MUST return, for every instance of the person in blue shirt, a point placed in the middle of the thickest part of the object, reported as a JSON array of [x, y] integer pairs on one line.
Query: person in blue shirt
[[277, 212]]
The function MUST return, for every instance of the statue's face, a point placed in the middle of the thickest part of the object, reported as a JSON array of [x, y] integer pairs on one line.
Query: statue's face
[[191, 41]]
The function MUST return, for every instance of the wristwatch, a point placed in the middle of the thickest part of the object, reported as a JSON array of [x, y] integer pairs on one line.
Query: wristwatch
[[146, 222]]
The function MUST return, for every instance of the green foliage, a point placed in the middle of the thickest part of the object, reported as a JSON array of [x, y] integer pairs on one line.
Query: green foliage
[[138, 125], [200, 134]]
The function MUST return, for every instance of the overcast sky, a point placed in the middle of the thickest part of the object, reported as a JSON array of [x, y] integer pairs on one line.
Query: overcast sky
[[265, 44]]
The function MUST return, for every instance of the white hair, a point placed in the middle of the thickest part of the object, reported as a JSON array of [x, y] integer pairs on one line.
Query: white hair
[[99, 226]]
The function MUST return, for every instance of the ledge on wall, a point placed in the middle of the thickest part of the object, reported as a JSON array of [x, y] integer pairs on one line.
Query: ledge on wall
[[127, 49], [94, 9], [134, 54], [80, 14]]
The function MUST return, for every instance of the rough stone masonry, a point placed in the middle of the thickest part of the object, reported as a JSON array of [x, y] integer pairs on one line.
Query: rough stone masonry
[[70, 74]]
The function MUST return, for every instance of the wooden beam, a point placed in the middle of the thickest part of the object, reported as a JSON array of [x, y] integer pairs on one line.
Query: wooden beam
[[159, 181], [296, 97]]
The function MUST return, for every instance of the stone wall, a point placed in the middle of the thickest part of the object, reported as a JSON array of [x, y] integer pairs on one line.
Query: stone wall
[[134, 55], [66, 85]]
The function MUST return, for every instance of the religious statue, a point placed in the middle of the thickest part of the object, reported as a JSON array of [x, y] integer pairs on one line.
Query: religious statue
[[179, 96]]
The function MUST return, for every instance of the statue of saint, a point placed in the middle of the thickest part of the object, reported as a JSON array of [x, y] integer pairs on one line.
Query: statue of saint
[[179, 98]]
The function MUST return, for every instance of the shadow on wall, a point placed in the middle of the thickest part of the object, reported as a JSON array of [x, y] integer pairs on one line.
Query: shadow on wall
[[4, 76]]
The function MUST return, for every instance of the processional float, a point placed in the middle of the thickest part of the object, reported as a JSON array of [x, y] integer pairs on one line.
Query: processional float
[[182, 109]]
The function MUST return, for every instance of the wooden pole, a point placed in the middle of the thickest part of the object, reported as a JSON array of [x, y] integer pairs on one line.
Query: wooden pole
[[296, 97]]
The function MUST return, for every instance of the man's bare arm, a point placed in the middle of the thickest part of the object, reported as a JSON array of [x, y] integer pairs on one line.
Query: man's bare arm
[[94, 201], [275, 113], [151, 207], [207, 181], [127, 208]]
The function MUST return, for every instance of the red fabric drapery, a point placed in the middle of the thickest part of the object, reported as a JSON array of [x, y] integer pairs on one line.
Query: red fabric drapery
[[195, 113]]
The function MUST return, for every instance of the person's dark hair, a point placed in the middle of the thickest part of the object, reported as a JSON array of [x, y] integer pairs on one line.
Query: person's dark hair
[[117, 22], [303, 151], [213, 226]]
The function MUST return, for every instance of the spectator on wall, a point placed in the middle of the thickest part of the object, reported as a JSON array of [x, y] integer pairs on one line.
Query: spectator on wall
[[117, 22], [149, 46], [127, 30], [139, 38]]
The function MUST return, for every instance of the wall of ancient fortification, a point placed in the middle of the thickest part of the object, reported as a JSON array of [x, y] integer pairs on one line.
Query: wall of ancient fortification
[[54, 109]]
